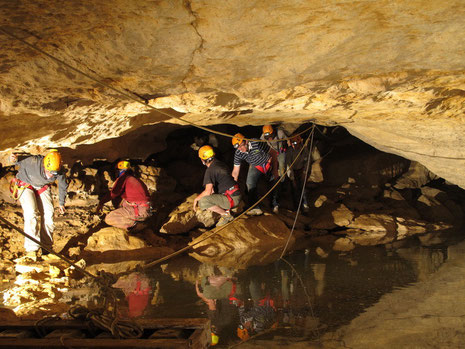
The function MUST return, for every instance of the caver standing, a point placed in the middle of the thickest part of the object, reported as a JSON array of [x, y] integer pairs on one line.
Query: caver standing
[[32, 188], [297, 173], [130, 195], [221, 190], [256, 154], [278, 145]]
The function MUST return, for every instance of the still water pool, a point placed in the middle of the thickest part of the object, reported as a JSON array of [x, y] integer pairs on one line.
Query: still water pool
[[301, 297]]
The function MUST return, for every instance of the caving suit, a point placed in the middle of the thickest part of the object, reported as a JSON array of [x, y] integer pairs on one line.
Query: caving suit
[[32, 175], [132, 197]]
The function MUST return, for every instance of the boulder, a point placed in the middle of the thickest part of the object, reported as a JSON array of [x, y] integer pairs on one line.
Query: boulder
[[251, 241], [112, 238], [416, 176]]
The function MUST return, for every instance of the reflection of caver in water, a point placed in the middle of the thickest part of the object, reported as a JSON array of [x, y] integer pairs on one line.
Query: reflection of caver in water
[[137, 289], [261, 316], [256, 154], [31, 187], [222, 295], [217, 179], [133, 196]]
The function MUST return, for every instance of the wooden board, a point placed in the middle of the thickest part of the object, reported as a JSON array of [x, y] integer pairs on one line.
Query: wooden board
[[190, 333]]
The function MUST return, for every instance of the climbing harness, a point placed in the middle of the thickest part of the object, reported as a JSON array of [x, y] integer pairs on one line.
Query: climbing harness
[[17, 188], [136, 205], [229, 193], [264, 168]]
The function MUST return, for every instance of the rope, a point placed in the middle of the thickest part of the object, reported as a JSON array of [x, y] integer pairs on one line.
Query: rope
[[139, 99], [309, 302], [104, 319], [236, 218], [59, 255], [108, 321], [303, 189]]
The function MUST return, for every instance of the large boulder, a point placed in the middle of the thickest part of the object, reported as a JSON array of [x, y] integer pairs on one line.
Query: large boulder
[[112, 238], [254, 240]]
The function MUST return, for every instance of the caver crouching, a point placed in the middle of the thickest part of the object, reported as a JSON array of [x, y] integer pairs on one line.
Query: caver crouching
[[217, 179], [130, 196]]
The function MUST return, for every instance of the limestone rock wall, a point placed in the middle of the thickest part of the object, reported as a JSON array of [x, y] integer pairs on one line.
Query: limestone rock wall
[[391, 72]]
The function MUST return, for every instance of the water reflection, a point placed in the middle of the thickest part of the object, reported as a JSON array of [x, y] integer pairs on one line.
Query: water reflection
[[296, 301]]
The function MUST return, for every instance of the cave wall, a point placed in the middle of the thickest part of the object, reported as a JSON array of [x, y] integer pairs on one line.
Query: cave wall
[[390, 72]]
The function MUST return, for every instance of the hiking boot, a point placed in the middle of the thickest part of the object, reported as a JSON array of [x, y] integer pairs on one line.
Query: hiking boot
[[276, 209], [257, 211], [225, 219]]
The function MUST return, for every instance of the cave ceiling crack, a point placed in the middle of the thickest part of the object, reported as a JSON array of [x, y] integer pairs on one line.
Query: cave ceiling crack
[[194, 23]]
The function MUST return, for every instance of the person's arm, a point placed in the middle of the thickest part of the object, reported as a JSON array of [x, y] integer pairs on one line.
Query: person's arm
[[235, 172], [62, 191], [115, 192], [208, 191], [210, 302]]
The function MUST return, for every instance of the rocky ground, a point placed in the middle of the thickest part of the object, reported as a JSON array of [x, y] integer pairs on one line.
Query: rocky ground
[[354, 201]]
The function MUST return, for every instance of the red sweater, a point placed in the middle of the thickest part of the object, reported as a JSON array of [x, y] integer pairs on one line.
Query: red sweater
[[129, 188]]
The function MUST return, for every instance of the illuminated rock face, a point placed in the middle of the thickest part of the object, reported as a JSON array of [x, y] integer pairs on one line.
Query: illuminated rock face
[[391, 72]]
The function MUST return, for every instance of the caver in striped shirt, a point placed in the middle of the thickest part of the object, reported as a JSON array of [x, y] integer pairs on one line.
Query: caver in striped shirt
[[256, 154]]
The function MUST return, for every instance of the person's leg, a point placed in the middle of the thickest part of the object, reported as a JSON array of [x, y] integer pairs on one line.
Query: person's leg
[[253, 176], [123, 217], [275, 196], [31, 219], [218, 203], [49, 227], [281, 164]]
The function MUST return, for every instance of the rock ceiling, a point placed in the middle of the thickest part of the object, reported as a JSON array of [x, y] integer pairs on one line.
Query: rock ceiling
[[390, 72]]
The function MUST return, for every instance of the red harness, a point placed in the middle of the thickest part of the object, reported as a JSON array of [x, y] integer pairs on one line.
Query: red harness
[[229, 192], [265, 167], [136, 206], [232, 299], [39, 191]]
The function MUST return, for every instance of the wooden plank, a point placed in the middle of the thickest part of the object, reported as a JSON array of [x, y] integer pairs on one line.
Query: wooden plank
[[93, 343], [144, 323], [201, 338]]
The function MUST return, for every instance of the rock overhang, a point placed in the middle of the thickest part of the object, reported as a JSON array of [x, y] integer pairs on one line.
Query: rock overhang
[[391, 73]]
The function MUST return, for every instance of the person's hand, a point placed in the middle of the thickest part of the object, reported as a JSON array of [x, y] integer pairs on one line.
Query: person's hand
[[194, 206], [13, 158], [62, 209], [98, 210]]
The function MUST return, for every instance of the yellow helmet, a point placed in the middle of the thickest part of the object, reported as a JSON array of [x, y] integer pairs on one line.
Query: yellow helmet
[[123, 165], [267, 130], [206, 152], [52, 161], [237, 140], [215, 339], [242, 333]]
